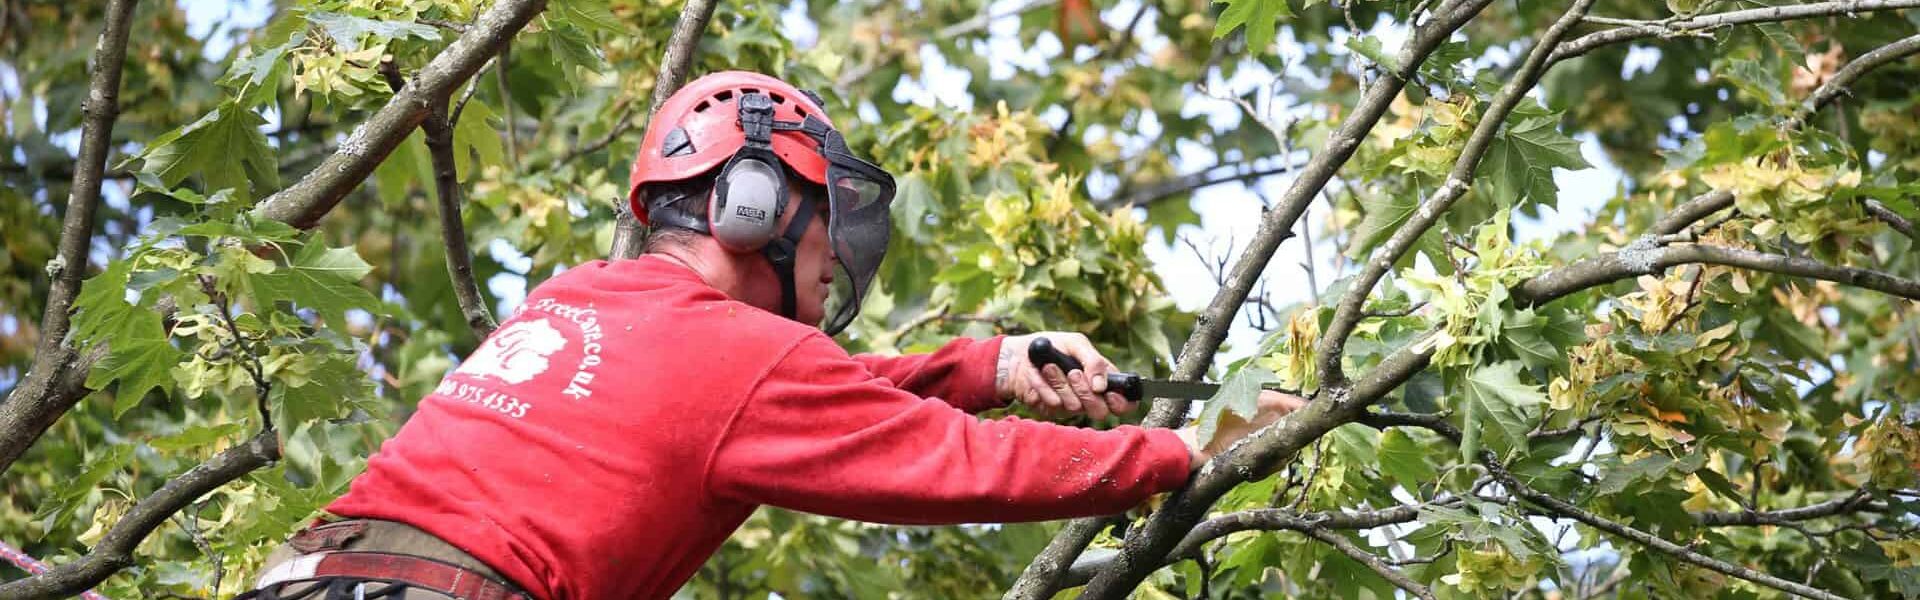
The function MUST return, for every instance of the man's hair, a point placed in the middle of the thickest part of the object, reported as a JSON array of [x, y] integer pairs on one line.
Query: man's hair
[[689, 196]]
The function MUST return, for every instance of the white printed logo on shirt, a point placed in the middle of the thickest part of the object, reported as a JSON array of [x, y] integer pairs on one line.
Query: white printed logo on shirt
[[515, 354]]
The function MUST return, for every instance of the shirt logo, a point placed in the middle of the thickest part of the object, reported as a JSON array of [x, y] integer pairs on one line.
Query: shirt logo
[[515, 354]]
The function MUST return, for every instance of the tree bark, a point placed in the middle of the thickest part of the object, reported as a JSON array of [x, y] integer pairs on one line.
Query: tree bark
[[628, 233], [115, 550], [54, 382]]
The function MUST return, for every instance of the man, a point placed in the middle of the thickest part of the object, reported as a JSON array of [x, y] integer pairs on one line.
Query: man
[[607, 439]]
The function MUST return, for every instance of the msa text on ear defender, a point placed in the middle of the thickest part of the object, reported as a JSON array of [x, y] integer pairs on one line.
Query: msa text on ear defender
[[750, 194]]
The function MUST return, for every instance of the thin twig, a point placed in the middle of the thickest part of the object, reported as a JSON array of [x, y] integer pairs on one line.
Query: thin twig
[[621, 125], [1842, 79]]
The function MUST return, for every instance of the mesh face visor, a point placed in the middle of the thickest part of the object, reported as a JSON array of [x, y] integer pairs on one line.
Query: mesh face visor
[[859, 225]]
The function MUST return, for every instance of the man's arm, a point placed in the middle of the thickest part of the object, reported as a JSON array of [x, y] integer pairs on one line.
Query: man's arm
[[821, 434], [960, 373]]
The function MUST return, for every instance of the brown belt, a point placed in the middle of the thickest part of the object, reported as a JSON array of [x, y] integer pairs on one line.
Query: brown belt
[[325, 555], [423, 573]]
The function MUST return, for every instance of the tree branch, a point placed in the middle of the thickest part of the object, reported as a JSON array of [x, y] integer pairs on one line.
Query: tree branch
[[305, 202], [1270, 519], [115, 550], [628, 233], [1838, 84], [621, 125], [1566, 510], [41, 397], [1347, 547], [1861, 500], [1637, 30], [1892, 219], [1332, 345], [437, 131], [1691, 211], [1644, 258], [1145, 549], [1208, 177]]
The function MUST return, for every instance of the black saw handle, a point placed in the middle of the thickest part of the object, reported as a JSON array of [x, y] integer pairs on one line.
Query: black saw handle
[[1041, 352]]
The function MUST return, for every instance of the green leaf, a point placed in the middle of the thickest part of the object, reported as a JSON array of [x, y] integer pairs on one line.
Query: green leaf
[[330, 391], [139, 355], [103, 464], [349, 30], [913, 204], [257, 77], [1369, 47], [475, 135], [1520, 162], [574, 52], [1873, 564], [1384, 214], [1755, 80], [1261, 18], [1647, 468], [1496, 402], [102, 304], [1240, 394], [140, 358], [590, 15], [323, 279], [225, 148], [1403, 460], [195, 437], [1718, 483]]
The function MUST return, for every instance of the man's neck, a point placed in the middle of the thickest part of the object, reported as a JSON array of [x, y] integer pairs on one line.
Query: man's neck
[[723, 270]]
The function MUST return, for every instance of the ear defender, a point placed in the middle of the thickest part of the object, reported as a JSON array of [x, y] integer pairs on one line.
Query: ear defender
[[748, 199]]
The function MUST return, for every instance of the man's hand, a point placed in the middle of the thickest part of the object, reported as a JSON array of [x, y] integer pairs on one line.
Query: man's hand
[[1232, 428], [1048, 389]]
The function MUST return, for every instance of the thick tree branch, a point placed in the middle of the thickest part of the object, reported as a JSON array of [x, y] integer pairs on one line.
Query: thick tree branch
[[1332, 346], [305, 202], [1146, 548], [1643, 257], [51, 383], [115, 550], [628, 233], [1637, 30], [1842, 79]]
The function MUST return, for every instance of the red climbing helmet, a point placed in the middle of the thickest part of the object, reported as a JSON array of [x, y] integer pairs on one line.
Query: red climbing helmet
[[736, 124], [698, 129]]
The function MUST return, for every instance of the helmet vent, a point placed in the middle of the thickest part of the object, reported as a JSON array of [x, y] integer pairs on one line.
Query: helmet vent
[[676, 144], [702, 106], [723, 95], [777, 99]]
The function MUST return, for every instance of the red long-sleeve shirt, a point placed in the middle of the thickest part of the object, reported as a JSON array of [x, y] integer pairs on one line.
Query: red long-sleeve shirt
[[610, 436]]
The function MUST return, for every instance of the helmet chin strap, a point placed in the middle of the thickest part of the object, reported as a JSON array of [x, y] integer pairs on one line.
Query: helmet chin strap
[[782, 251]]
